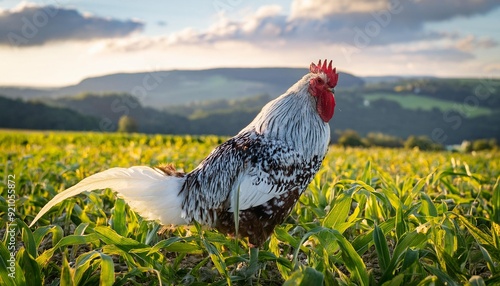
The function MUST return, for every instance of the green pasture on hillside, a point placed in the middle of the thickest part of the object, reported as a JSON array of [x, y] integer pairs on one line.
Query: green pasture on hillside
[[416, 101]]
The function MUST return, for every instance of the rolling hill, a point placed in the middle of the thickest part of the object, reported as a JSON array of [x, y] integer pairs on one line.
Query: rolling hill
[[166, 88]]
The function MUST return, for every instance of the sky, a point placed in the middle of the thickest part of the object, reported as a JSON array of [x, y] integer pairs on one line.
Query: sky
[[54, 43]]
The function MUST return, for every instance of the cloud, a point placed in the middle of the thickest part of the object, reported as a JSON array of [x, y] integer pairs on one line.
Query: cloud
[[471, 42], [32, 25], [438, 55], [414, 12], [492, 68], [265, 25], [356, 29], [358, 23]]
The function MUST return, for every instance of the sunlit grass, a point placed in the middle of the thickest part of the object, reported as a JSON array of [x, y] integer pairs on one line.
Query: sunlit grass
[[371, 216]]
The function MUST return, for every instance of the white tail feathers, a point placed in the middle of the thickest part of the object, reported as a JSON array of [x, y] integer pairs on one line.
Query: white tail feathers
[[149, 192]]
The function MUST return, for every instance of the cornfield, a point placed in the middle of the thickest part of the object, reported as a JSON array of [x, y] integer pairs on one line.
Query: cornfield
[[370, 217]]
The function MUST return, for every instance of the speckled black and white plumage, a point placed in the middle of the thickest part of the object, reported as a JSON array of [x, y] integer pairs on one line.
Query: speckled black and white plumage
[[261, 172], [269, 174]]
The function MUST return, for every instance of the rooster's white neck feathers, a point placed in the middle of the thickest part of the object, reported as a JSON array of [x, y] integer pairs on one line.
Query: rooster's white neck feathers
[[293, 118]]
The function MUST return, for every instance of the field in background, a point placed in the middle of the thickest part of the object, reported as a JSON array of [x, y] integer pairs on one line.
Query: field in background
[[371, 216], [415, 101], [223, 101]]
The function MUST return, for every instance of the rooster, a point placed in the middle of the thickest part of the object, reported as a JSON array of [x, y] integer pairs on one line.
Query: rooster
[[247, 185]]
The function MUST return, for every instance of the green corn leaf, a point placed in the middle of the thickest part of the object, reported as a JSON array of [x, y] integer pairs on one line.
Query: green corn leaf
[[44, 258], [184, 247], [488, 259], [362, 242], [83, 264], [283, 235], [367, 173], [480, 236], [411, 256], [109, 236], [396, 281], [411, 239], [416, 190], [30, 267], [338, 214], [235, 259], [176, 244], [400, 222], [253, 264], [428, 208], [66, 277], [107, 277], [80, 229], [118, 221], [41, 232], [351, 258], [269, 256], [114, 250], [305, 276], [381, 247], [452, 267], [442, 276], [495, 232], [495, 202], [216, 257], [27, 237], [430, 280]]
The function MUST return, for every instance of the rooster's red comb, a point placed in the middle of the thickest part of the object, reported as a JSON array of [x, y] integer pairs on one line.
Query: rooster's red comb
[[331, 74]]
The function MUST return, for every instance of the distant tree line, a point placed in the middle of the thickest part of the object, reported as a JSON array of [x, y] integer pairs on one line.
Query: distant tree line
[[15, 113], [480, 145], [379, 123]]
